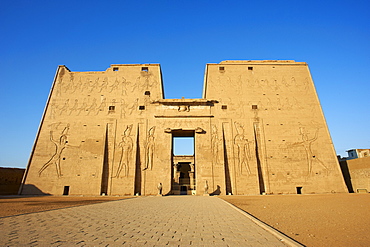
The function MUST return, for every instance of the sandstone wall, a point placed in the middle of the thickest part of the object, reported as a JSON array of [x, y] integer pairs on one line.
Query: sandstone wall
[[359, 170], [10, 180], [258, 129]]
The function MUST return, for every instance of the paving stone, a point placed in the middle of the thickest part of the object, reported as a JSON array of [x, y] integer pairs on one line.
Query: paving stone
[[143, 221]]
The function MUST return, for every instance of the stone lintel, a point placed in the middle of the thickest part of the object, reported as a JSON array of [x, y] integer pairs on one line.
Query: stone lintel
[[184, 102]]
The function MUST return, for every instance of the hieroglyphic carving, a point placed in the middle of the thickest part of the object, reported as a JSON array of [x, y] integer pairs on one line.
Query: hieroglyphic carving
[[215, 144], [92, 107], [275, 85], [124, 86], [102, 106], [103, 85], [74, 107], [82, 107], [241, 144], [132, 106], [114, 86], [86, 85], [149, 149], [60, 81], [60, 145], [307, 144], [126, 149], [65, 107], [53, 109], [76, 86], [94, 85]]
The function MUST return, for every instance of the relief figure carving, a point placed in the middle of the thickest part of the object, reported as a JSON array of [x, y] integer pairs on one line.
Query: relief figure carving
[[126, 149], [242, 147], [307, 144], [92, 107], [60, 145], [77, 86], [101, 107], [82, 107], [74, 107], [65, 107], [114, 86], [215, 144], [149, 149], [53, 109], [94, 85], [104, 84], [132, 106]]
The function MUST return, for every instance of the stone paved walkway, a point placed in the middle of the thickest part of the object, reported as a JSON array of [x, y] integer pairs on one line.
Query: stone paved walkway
[[143, 221]]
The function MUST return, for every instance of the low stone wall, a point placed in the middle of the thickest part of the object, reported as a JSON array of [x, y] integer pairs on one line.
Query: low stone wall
[[356, 173], [10, 180]]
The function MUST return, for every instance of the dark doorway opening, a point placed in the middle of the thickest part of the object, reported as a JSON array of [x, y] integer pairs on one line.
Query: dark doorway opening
[[66, 191], [299, 190], [183, 167]]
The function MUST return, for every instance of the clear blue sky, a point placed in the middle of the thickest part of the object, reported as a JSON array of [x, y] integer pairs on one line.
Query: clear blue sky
[[333, 37]]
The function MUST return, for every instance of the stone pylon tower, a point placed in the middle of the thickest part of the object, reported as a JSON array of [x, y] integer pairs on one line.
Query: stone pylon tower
[[259, 128]]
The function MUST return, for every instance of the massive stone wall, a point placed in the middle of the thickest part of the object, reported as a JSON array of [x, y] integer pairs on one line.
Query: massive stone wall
[[275, 126], [258, 129]]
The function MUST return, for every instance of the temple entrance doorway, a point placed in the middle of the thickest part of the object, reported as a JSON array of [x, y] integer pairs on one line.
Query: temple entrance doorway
[[183, 172]]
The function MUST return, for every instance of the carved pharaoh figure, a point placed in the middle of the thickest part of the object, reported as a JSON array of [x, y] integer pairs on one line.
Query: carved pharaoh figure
[[60, 145], [215, 141], [126, 149], [149, 149], [242, 146], [307, 144]]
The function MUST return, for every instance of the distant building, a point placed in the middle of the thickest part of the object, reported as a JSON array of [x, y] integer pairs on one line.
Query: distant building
[[358, 153], [356, 173]]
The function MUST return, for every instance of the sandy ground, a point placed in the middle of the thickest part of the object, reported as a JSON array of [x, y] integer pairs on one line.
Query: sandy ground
[[14, 205], [313, 220]]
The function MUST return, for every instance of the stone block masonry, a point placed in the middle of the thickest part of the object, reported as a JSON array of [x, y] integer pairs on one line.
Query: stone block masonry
[[259, 129]]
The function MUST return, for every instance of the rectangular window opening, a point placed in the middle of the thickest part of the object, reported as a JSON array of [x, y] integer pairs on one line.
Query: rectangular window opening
[[221, 69], [111, 107], [224, 107], [144, 69], [115, 68], [147, 93], [141, 107], [299, 190], [250, 68], [254, 107], [66, 191]]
